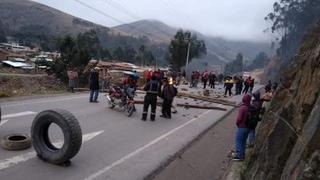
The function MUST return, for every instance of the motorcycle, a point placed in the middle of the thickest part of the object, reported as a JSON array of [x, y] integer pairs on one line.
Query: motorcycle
[[117, 97]]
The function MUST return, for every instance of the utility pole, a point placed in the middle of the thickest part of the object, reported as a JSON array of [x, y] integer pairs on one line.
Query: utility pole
[[188, 52]]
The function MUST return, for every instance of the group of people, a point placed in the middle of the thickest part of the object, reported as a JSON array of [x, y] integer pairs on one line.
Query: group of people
[[242, 86], [250, 113], [157, 85], [205, 77], [97, 75]]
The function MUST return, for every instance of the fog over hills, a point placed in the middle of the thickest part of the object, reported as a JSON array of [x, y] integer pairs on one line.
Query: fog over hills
[[31, 18]]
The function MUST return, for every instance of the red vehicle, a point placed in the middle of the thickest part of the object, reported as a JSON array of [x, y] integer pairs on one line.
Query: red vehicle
[[121, 98]]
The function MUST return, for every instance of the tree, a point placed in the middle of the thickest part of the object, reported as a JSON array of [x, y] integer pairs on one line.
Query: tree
[[118, 53], [290, 20], [179, 47], [129, 54], [75, 53], [235, 66], [260, 61], [90, 41]]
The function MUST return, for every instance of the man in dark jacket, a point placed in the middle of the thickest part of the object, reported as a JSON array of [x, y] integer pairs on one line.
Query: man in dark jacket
[[152, 88], [239, 85], [212, 79], [242, 132], [168, 92], [267, 88], [255, 114], [94, 85]]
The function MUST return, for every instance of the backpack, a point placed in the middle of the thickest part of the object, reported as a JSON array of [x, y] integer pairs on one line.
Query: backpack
[[253, 117]]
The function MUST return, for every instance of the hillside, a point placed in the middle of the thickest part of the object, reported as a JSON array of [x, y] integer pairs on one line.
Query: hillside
[[219, 50], [287, 144], [153, 29], [38, 25], [23, 16]]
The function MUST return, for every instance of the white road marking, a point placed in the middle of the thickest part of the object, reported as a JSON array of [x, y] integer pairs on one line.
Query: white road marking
[[3, 122], [128, 156], [19, 114], [47, 101], [27, 156]]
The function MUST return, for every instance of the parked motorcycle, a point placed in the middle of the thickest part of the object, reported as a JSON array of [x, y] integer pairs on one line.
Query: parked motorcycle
[[117, 97]]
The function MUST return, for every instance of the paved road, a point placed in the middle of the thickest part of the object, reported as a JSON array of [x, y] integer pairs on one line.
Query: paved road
[[115, 147]]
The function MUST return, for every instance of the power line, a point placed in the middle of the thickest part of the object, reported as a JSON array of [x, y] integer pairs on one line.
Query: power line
[[99, 11], [123, 9]]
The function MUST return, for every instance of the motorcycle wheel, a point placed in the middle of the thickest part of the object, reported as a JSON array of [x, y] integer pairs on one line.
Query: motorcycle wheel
[[130, 110], [110, 103]]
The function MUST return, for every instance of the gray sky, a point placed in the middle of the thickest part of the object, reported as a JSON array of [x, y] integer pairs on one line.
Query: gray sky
[[231, 19]]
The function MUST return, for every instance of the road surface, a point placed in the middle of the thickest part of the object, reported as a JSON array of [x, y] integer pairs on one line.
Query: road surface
[[114, 146]]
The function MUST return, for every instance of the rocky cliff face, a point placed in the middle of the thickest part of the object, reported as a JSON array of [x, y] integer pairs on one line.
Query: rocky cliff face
[[287, 145]]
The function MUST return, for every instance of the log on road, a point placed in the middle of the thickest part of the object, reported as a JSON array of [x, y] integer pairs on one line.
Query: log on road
[[186, 105], [208, 99], [201, 107]]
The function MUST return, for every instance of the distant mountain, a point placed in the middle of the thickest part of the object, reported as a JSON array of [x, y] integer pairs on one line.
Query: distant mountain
[[23, 16], [37, 24], [154, 30], [219, 49]]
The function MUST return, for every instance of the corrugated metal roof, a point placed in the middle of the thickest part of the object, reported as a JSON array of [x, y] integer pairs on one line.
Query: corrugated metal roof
[[16, 64]]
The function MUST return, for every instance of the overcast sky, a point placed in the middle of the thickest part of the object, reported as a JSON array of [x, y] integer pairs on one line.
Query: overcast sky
[[231, 19]]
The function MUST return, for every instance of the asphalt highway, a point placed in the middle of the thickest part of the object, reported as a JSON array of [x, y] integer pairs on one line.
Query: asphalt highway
[[114, 146]]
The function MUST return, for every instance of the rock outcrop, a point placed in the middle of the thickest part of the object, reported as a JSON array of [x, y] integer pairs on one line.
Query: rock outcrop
[[287, 144]]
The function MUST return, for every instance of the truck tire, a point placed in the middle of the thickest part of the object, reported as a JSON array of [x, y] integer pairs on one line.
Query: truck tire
[[14, 142], [41, 140]]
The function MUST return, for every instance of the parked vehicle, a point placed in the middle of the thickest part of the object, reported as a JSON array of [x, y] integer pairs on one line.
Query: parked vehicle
[[118, 97]]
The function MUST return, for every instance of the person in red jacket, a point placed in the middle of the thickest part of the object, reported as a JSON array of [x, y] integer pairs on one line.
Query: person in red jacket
[[147, 75], [242, 131]]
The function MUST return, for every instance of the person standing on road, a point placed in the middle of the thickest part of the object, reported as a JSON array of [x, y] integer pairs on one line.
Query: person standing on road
[[239, 85], [152, 88], [242, 131], [106, 80], [212, 79], [251, 85], [268, 87], [228, 86], [72, 75], [192, 79], [205, 77], [247, 85], [94, 85], [168, 92], [148, 75], [255, 117]]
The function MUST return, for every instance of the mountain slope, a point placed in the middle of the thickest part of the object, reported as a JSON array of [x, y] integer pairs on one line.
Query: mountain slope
[[23, 16], [38, 24], [153, 29], [218, 48]]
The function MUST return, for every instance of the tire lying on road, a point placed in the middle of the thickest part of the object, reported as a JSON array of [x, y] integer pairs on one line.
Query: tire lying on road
[[14, 142], [70, 127]]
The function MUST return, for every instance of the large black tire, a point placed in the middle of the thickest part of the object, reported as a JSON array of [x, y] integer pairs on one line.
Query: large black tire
[[71, 132], [14, 142]]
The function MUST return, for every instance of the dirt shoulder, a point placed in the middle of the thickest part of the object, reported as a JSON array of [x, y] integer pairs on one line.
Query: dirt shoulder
[[208, 158], [13, 85]]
